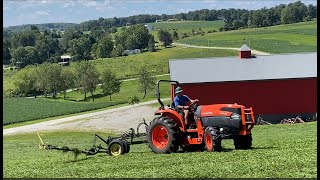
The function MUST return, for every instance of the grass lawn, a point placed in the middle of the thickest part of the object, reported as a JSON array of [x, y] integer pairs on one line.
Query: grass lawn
[[279, 151], [292, 38]]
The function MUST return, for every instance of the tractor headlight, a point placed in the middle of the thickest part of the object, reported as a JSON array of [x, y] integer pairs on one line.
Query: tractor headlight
[[235, 116]]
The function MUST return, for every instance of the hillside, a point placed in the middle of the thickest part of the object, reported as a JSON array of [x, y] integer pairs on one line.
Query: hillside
[[291, 38]]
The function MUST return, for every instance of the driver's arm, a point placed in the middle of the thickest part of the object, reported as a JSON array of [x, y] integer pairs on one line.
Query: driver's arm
[[194, 101]]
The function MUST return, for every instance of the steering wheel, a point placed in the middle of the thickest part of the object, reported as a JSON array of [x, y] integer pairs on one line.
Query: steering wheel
[[193, 105]]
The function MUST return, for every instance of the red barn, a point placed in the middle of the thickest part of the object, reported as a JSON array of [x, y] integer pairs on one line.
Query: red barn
[[276, 86]]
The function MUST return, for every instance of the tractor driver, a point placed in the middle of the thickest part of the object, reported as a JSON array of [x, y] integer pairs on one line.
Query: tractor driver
[[181, 100]]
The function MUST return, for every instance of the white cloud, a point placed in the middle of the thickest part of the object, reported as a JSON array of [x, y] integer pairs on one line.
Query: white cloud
[[41, 13], [5, 8], [68, 4]]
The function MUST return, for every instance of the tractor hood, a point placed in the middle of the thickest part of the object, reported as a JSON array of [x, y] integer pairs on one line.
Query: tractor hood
[[218, 110]]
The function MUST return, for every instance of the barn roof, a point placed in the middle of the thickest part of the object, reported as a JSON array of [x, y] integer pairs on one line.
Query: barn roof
[[66, 57], [244, 48], [284, 66]]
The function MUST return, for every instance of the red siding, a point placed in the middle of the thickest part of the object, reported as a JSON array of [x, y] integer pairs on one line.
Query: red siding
[[245, 54], [265, 97]]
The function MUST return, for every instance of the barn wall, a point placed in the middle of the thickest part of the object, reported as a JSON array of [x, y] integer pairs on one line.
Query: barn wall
[[290, 96], [245, 54]]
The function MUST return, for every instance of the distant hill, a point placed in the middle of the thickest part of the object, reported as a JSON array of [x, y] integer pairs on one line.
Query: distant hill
[[45, 26]]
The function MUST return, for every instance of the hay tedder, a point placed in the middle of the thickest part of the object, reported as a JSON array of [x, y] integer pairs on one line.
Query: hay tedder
[[205, 127]]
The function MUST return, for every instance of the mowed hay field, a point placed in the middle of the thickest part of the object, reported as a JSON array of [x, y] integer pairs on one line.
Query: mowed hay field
[[279, 151], [292, 38]]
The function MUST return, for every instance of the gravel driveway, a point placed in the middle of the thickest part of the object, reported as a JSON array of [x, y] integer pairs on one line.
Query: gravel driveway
[[115, 120]]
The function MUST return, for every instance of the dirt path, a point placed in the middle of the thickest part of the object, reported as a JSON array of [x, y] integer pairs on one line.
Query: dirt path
[[206, 47], [115, 120]]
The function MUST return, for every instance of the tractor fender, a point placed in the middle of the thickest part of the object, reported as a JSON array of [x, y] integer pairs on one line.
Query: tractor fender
[[174, 115]]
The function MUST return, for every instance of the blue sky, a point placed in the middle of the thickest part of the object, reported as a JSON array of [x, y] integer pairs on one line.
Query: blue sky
[[18, 12]]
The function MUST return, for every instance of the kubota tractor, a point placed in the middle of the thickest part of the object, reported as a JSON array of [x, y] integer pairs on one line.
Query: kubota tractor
[[206, 126]]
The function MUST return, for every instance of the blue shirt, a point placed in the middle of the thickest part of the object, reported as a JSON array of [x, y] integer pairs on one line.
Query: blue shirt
[[181, 100]]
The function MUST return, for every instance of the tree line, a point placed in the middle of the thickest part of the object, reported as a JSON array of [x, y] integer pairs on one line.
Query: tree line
[[51, 79], [34, 47], [234, 18]]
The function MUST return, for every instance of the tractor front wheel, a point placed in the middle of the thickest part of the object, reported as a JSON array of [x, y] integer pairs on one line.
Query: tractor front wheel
[[162, 136], [212, 139]]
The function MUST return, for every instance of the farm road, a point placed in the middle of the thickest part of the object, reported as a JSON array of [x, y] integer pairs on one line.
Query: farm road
[[206, 47], [114, 120]]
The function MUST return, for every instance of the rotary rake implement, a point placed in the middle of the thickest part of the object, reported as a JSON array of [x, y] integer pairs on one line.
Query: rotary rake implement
[[114, 145]]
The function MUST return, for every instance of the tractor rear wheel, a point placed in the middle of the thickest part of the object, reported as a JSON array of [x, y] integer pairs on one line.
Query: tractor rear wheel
[[163, 136], [243, 142], [212, 139]]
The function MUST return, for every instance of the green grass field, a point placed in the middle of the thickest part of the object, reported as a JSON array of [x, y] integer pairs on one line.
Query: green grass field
[[279, 151], [185, 26], [156, 62], [292, 38]]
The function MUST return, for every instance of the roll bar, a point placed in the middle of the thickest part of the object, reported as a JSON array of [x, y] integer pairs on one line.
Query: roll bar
[[158, 89]]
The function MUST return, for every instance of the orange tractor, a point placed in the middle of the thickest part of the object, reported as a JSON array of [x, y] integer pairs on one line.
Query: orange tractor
[[207, 126]]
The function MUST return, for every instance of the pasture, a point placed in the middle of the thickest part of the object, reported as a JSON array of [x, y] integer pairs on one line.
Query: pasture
[[292, 38], [156, 62], [279, 151]]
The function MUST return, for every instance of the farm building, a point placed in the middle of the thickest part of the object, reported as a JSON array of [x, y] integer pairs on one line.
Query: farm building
[[276, 86], [65, 60]]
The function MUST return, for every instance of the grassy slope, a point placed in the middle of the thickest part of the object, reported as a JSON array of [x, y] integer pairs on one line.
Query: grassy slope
[[278, 151], [186, 26], [299, 37], [155, 62]]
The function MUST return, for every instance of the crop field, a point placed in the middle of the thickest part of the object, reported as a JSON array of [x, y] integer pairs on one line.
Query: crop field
[[292, 38], [40, 108], [26, 109], [279, 151]]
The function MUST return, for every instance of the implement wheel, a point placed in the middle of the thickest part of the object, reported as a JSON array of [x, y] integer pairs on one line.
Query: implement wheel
[[116, 147], [162, 136]]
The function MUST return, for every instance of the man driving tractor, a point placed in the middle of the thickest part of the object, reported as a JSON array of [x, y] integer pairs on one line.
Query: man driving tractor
[[181, 100]]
